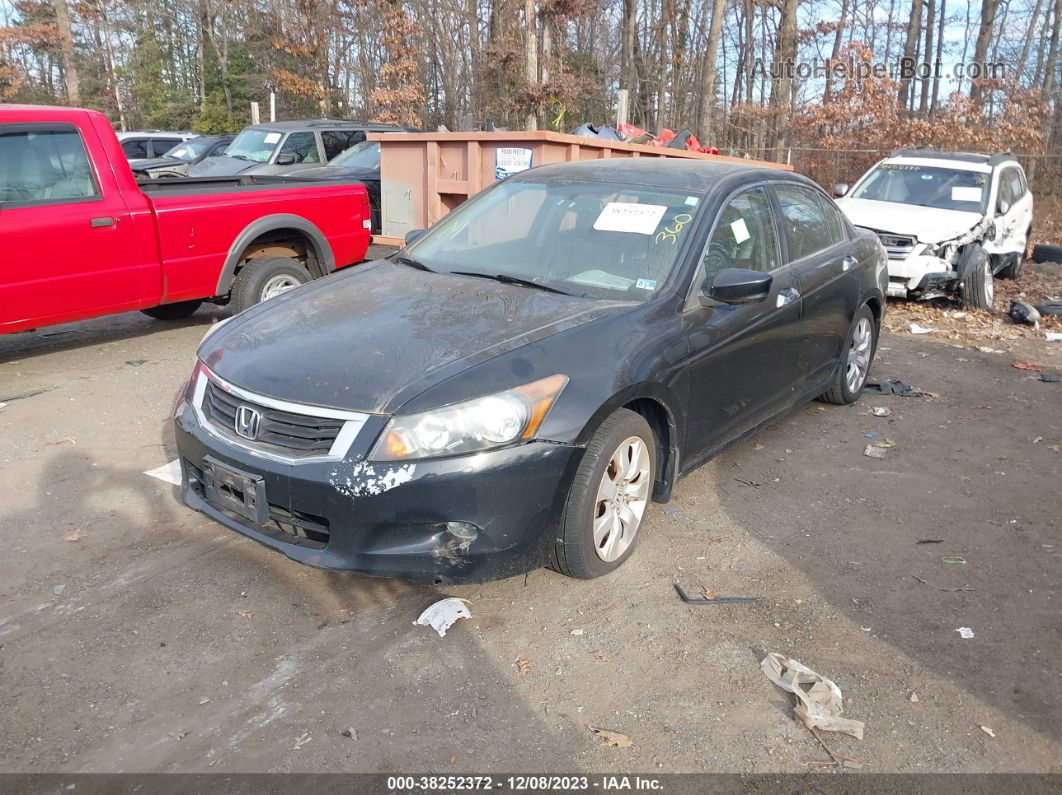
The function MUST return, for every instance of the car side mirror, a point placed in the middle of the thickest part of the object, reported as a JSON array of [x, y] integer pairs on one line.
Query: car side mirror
[[414, 234], [286, 160], [1004, 206], [739, 286], [840, 189]]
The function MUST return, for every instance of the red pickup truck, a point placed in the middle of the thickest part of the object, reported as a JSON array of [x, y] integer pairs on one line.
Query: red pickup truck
[[82, 238]]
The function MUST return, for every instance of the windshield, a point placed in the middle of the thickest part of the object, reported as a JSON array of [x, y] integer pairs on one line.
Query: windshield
[[364, 155], [585, 238], [188, 151], [256, 145], [925, 186]]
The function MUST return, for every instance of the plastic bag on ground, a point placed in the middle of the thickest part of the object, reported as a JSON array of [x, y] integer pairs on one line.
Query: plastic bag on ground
[[819, 706]]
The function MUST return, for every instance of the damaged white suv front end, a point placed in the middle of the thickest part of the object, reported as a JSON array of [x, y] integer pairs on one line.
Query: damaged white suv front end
[[950, 222]]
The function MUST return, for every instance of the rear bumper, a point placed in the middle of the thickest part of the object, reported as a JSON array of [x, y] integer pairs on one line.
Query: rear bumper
[[389, 520]]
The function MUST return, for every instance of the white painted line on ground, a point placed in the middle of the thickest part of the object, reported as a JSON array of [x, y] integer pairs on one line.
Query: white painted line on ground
[[170, 473]]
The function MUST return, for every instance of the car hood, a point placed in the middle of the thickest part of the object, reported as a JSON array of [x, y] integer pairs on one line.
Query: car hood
[[336, 172], [220, 166], [375, 336], [143, 164], [928, 224]]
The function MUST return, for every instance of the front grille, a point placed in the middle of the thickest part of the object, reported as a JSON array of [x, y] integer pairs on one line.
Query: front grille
[[298, 434]]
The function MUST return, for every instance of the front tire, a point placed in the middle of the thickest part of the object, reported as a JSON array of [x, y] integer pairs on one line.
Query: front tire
[[265, 278], [852, 370], [977, 287], [608, 499], [177, 311]]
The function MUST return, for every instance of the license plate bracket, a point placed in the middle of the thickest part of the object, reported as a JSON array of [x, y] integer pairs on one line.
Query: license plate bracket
[[241, 492]]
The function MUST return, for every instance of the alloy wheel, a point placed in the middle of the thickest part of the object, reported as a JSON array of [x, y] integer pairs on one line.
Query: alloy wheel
[[622, 498], [859, 350], [279, 285]]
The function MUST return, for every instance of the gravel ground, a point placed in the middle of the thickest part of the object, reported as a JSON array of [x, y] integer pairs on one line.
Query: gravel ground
[[136, 635]]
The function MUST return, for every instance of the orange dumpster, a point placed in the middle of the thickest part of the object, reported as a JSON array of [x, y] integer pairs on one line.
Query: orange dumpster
[[425, 175]]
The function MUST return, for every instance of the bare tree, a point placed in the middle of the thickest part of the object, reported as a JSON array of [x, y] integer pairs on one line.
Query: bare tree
[[66, 49], [984, 39]]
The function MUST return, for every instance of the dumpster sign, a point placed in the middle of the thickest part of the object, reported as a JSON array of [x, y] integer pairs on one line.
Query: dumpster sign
[[509, 160]]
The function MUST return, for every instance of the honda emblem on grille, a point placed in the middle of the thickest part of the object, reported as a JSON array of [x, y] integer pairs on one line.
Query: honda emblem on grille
[[247, 422]]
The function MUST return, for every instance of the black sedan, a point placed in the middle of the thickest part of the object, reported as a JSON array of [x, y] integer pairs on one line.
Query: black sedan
[[516, 385]]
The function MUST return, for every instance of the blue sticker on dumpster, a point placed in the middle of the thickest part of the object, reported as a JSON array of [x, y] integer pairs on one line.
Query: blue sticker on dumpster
[[509, 160]]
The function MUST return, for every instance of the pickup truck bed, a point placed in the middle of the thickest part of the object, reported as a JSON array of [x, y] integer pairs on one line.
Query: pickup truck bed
[[83, 238]]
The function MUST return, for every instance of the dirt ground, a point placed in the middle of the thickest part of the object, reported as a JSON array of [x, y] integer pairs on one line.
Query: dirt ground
[[136, 635]]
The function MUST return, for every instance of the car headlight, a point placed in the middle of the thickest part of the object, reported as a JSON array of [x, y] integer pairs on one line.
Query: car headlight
[[479, 424]]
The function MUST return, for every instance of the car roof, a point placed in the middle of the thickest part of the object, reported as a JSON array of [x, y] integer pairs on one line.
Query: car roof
[[328, 124], [149, 133], [955, 159], [660, 172]]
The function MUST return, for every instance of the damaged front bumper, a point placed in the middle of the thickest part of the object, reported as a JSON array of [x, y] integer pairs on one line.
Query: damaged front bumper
[[469, 518]]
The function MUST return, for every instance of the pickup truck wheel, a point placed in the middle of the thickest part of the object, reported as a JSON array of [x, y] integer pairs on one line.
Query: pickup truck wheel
[[265, 278], [976, 288], [177, 311], [855, 362], [608, 498]]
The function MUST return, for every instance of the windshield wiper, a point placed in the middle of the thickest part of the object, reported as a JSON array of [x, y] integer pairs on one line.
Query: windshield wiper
[[505, 278], [413, 263]]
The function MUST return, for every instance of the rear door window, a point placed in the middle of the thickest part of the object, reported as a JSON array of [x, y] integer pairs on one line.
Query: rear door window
[[303, 145], [335, 141], [47, 166], [162, 145], [809, 228], [135, 148]]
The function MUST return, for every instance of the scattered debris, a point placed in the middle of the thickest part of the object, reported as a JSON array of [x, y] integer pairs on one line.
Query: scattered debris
[[64, 440], [930, 541], [914, 698], [245, 613], [751, 483], [756, 446], [716, 600], [576, 632], [301, 740], [671, 513], [135, 362], [168, 473], [988, 731], [873, 451], [204, 700], [872, 434], [820, 705], [881, 411], [953, 560], [965, 633], [600, 654], [22, 395], [350, 733], [1052, 336], [1052, 306], [442, 615], [1023, 313], [1049, 378], [896, 387], [74, 536], [1038, 368], [178, 736], [612, 739], [917, 329], [522, 665], [58, 589]]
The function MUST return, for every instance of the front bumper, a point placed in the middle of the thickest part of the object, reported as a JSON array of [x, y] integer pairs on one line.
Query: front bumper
[[391, 519], [920, 276]]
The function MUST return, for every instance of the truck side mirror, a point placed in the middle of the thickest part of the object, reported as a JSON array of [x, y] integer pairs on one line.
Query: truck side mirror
[[840, 189]]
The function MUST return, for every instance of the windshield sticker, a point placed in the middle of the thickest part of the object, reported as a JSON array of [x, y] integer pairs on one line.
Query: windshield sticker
[[271, 138], [597, 278], [692, 201], [646, 284], [741, 232], [966, 194], [641, 219], [509, 160], [670, 233]]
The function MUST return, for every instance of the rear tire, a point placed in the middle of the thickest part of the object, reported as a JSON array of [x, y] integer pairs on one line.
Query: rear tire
[[609, 484], [177, 311], [977, 290], [858, 353], [265, 278]]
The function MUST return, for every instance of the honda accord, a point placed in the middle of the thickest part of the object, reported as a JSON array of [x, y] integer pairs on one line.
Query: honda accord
[[515, 386]]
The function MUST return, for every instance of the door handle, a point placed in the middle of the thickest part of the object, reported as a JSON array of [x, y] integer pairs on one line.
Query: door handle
[[97, 223], [848, 263], [787, 296]]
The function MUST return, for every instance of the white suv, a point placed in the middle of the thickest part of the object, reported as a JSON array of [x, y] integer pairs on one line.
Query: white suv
[[950, 221]]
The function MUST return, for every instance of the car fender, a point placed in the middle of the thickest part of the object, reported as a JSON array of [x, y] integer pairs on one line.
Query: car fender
[[270, 223]]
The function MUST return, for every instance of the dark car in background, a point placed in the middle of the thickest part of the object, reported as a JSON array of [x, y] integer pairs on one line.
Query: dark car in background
[[360, 163], [140, 144], [176, 161], [514, 387], [278, 147]]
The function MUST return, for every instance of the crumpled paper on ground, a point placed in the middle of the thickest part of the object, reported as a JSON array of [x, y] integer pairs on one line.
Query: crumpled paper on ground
[[442, 615], [819, 706]]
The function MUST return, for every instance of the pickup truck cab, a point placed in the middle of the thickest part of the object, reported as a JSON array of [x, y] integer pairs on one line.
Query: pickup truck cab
[[82, 238]]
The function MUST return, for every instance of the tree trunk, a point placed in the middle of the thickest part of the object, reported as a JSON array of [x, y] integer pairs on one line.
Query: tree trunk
[[984, 38], [784, 62], [836, 52], [910, 48], [1052, 55], [923, 103], [1029, 33], [940, 54], [531, 60], [628, 29], [66, 49], [714, 32]]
